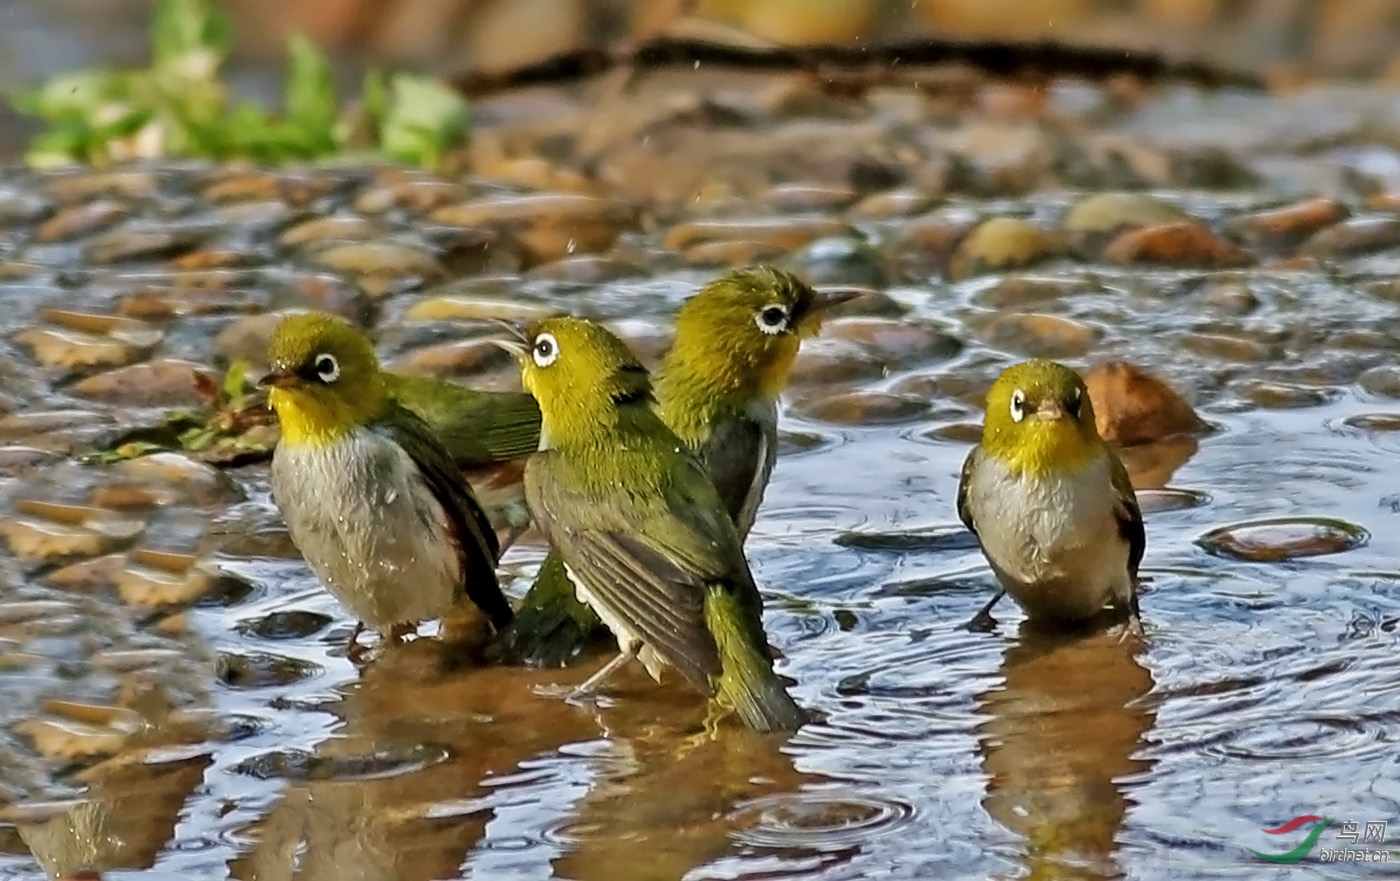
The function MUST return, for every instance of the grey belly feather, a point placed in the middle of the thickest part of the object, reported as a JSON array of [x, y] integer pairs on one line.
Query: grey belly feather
[[369, 527]]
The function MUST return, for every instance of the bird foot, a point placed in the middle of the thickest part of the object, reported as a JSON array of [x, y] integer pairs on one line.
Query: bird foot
[[982, 622], [1133, 628], [355, 651]]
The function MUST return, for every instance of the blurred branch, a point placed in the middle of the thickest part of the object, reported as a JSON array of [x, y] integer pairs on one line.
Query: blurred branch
[[847, 66]]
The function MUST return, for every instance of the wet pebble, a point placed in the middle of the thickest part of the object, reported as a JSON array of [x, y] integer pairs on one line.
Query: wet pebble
[[126, 245], [1019, 291], [1385, 422], [300, 765], [900, 202], [732, 253], [1041, 335], [1163, 499], [546, 226], [459, 358], [262, 669], [342, 228], [417, 195], [895, 343], [833, 362], [76, 350], [197, 482], [1226, 348], [1280, 230], [166, 382], [378, 258], [288, 624], [463, 308], [1283, 538], [1360, 235], [1095, 220], [77, 221], [1271, 395], [1175, 244], [1229, 297], [1002, 243], [864, 408], [1131, 406], [783, 233], [1383, 380]]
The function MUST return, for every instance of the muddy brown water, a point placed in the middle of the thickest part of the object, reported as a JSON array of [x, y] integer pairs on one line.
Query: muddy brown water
[[177, 704]]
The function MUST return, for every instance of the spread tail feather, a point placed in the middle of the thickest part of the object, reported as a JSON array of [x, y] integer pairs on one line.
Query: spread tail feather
[[747, 683]]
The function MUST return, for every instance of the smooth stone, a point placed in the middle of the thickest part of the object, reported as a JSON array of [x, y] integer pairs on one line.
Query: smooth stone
[[1383, 380], [901, 202], [198, 483], [1178, 244], [1226, 348], [1350, 238], [1041, 335], [1374, 421], [77, 221], [783, 233], [1229, 297], [76, 350], [1271, 395], [732, 253], [795, 198], [342, 228], [167, 382], [1095, 220], [896, 343], [865, 408], [1019, 291], [1282, 539], [547, 226], [1002, 243], [453, 308], [417, 196], [131, 245], [454, 359], [1280, 230], [1131, 406], [84, 186], [378, 258], [826, 362], [1162, 499]]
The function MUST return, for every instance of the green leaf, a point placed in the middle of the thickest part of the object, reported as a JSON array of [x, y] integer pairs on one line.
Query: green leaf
[[235, 382], [190, 29], [425, 119], [311, 104]]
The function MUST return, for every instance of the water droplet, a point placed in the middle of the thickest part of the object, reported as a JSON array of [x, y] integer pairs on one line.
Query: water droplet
[[817, 820]]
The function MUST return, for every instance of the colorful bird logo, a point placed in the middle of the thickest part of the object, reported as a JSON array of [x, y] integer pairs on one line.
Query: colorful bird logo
[[1302, 849]]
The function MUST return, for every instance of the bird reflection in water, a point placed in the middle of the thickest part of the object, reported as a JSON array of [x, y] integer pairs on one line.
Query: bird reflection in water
[[1061, 737]]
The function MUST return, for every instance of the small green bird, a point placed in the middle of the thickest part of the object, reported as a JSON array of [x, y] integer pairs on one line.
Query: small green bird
[[1050, 503], [479, 428], [639, 527], [718, 389], [371, 498]]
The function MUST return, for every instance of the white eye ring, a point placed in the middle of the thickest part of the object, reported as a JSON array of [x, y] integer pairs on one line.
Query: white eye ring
[[327, 367], [772, 319], [545, 350], [1018, 405]]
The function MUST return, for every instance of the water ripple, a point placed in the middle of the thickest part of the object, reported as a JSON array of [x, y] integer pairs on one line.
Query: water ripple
[[819, 821]]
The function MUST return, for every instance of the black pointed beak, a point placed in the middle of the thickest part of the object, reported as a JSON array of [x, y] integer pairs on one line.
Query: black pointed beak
[[519, 343], [278, 379], [830, 298]]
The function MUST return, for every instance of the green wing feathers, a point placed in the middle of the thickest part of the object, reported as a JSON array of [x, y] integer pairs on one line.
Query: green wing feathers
[[476, 427], [1129, 514], [551, 627]]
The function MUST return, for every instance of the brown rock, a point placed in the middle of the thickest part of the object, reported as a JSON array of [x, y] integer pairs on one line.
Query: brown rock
[[865, 408], [895, 343], [732, 253], [1002, 243], [783, 233], [1360, 235], [80, 220], [166, 382], [1041, 335], [1095, 220], [1225, 348], [418, 196], [547, 226], [459, 358], [129, 245], [1280, 230], [344, 228], [1176, 244], [1131, 406], [379, 258]]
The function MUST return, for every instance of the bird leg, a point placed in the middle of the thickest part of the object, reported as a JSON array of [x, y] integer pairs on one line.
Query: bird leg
[[399, 631], [983, 621], [354, 652], [592, 683], [1134, 626]]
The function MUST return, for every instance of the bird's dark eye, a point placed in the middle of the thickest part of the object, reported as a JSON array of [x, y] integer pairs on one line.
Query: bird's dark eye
[[772, 319], [1018, 405], [327, 368], [545, 350], [1076, 401]]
